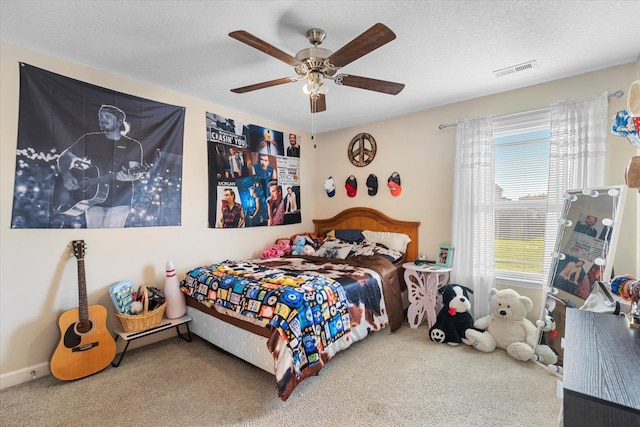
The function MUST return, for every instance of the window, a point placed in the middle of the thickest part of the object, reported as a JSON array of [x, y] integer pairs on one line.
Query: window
[[520, 201]]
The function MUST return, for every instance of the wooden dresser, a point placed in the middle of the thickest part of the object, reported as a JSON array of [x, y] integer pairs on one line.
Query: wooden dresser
[[601, 378]]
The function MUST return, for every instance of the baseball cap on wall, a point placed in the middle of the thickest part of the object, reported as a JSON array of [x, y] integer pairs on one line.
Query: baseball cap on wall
[[394, 184], [330, 187], [372, 185], [352, 186]]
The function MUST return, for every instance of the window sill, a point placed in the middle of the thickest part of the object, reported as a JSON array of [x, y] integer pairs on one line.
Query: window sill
[[522, 282]]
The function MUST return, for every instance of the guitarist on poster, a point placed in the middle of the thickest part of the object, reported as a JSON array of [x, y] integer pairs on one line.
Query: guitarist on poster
[[101, 167]]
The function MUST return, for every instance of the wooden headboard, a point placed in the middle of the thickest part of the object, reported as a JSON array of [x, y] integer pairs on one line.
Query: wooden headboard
[[371, 219]]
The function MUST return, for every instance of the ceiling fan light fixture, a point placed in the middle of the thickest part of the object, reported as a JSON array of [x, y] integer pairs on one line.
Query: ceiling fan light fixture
[[315, 64], [315, 89], [315, 84]]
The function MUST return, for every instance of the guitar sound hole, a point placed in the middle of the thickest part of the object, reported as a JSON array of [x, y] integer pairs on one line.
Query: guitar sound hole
[[84, 326]]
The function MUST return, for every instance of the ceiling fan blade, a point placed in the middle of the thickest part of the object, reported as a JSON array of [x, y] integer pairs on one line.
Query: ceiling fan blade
[[370, 84], [373, 38], [263, 46], [263, 85], [319, 104]]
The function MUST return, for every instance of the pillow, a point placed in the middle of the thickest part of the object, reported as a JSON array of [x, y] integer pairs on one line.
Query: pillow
[[397, 241], [347, 234], [334, 248], [371, 248]]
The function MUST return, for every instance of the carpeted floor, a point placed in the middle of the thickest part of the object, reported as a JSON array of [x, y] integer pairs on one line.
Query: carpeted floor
[[389, 379]]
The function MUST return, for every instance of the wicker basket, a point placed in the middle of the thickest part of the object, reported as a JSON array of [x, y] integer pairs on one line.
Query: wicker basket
[[145, 320]]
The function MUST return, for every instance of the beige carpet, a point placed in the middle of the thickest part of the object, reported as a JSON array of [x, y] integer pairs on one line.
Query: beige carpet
[[389, 379]]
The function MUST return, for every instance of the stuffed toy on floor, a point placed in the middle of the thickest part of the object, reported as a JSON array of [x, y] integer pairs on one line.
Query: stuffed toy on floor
[[454, 318], [507, 327], [545, 354]]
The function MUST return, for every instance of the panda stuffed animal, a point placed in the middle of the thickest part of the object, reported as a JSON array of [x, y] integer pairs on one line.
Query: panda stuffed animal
[[454, 318]]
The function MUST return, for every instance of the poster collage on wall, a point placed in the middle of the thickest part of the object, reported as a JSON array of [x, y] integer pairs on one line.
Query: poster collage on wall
[[254, 175]]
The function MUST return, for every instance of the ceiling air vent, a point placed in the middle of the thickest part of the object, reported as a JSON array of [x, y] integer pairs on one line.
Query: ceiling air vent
[[516, 68]]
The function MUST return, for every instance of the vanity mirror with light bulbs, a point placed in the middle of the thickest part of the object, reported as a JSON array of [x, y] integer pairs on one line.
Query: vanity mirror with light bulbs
[[583, 254]]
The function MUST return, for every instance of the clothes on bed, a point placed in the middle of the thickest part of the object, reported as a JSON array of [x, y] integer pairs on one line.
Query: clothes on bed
[[309, 310]]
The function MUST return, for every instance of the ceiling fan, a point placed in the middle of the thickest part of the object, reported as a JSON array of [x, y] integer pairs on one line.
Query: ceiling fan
[[316, 64]]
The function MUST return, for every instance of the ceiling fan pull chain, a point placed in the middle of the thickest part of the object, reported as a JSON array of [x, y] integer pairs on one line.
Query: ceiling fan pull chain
[[313, 122]]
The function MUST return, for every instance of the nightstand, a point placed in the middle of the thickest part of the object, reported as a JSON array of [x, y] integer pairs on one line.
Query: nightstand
[[423, 282]]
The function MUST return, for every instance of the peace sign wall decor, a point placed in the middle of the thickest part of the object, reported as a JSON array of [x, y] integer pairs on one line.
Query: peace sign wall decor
[[362, 149]]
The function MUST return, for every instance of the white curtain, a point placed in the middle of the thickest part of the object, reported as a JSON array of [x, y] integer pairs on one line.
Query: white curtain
[[577, 157], [472, 221]]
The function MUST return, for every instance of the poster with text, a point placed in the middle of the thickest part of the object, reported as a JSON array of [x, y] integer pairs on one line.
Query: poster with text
[[254, 175], [90, 157]]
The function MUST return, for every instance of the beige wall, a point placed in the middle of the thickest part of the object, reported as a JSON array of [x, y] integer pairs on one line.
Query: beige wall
[[38, 276], [424, 156], [413, 146]]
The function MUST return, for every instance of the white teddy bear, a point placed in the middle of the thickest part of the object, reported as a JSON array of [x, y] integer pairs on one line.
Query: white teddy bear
[[507, 327]]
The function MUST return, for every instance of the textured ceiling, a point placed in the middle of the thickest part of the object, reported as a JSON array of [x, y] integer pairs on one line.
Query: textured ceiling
[[445, 51]]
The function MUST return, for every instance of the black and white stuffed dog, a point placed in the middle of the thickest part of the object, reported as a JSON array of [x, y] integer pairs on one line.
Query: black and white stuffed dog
[[454, 318]]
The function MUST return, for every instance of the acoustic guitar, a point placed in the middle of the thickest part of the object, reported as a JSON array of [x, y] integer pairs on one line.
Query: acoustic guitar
[[85, 346], [93, 188]]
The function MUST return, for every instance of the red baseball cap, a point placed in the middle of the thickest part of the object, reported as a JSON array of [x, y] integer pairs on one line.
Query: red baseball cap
[[352, 186], [394, 184]]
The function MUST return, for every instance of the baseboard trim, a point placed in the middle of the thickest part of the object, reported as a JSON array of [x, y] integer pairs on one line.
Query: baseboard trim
[[42, 369], [23, 375]]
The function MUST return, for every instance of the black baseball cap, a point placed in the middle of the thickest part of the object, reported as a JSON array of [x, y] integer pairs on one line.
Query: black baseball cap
[[372, 184]]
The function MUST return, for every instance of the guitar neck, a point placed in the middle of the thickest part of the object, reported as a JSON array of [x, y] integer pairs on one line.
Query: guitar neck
[[83, 306]]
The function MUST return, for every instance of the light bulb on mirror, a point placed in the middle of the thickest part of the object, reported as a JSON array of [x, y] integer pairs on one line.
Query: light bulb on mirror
[[591, 193], [565, 222], [558, 255], [614, 192], [608, 222], [570, 197], [600, 261]]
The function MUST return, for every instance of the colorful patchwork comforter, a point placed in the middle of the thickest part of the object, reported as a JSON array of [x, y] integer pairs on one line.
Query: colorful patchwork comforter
[[315, 306]]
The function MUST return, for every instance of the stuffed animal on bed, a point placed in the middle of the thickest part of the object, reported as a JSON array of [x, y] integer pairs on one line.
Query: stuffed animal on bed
[[507, 327], [454, 318], [299, 244], [282, 247]]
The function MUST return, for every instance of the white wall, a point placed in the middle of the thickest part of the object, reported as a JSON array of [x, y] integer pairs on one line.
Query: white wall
[[38, 278], [38, 275]]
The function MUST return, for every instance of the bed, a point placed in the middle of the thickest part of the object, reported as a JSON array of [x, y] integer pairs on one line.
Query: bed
[[290, 315]]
